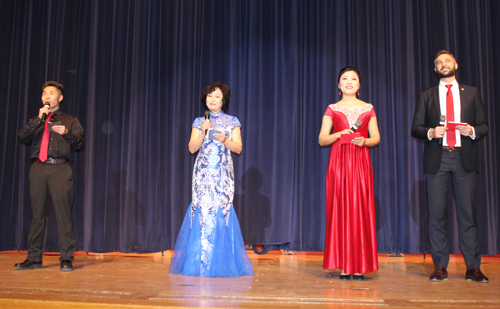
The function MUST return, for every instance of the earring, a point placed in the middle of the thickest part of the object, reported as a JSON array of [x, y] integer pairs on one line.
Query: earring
[[340, 93], [358, 93]]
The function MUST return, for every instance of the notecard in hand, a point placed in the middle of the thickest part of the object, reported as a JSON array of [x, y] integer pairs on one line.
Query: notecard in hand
[[453, 125], [347, 138], [51, 124], [211, 134]]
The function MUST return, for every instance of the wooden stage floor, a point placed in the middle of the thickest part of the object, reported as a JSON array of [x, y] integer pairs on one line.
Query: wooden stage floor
[[280, 281]]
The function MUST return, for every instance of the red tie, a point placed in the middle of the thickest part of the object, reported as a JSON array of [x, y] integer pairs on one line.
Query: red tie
[[45, 141], [450, 116]]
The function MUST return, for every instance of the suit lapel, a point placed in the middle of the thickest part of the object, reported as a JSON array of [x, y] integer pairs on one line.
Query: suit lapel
[[463, 102], [435, 95]]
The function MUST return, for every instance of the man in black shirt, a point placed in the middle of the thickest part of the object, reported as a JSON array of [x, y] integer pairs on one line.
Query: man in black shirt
[[53, 135]]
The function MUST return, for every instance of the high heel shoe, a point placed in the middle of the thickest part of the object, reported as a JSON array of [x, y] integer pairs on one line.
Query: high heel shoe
[[345, 277], [358, 277]]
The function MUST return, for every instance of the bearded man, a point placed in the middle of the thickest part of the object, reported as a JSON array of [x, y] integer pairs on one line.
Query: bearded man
[[450, 119]]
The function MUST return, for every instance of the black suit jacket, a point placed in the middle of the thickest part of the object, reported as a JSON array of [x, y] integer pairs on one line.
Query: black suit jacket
[[427, 113]]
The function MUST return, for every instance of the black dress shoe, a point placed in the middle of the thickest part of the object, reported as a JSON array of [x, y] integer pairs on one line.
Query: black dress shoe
[[345, 277], [476, 275], [358, 277], [66, 265], [439, 275], [28, 264]]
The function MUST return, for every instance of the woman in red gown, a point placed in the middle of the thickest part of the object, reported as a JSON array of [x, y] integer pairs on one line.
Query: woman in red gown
[[351, 240]]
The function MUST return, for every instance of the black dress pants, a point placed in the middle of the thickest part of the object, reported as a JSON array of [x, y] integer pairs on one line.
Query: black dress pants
[[453, 173], [56, 181]]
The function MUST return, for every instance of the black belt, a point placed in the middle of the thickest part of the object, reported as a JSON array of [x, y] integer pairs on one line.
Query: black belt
[[450, 149], [51, 161]]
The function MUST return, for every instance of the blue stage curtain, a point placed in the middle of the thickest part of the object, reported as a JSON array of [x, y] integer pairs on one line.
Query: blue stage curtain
[[134, 71]]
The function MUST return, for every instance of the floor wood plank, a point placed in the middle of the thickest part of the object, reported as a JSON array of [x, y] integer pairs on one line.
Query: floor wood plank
[[118, 280]]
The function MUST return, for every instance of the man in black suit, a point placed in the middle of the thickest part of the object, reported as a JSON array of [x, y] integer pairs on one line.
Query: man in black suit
[[451, 158]]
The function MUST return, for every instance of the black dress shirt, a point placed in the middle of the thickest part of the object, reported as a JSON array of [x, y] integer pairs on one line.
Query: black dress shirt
[[60, 146]]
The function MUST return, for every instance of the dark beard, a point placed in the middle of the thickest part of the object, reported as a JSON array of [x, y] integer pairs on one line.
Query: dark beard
[[450, 73]]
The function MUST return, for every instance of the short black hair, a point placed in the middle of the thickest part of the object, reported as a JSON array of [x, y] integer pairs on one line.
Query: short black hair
[[226, 94], [59, 86], [441, 52]]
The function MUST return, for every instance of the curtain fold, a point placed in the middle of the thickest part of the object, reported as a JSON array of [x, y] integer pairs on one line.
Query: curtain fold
[[134, 71]]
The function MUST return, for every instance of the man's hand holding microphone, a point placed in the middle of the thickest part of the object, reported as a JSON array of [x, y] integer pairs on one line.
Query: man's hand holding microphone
[[43, 114]]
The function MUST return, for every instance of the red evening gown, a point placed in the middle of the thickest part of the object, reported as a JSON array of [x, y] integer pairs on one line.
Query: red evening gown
[[351, 239]]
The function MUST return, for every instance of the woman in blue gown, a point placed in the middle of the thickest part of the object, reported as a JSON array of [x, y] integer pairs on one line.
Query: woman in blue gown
[[210, 243]]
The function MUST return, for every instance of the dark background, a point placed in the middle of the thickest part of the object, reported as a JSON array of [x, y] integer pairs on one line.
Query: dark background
[[134, 71]]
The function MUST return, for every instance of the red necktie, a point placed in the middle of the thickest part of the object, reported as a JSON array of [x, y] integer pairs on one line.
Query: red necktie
[[450, 116], [45, 141]]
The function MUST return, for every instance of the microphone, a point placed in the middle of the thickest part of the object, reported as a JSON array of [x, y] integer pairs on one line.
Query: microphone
[[442, 122], [356, 125], [44, 116], [207, 117]]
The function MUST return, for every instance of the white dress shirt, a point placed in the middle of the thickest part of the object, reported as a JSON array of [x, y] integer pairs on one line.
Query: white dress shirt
[[443, 91], [455, 91]]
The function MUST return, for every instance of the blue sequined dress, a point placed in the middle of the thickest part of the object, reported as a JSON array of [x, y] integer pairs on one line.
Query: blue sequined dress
[[210, 243]]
